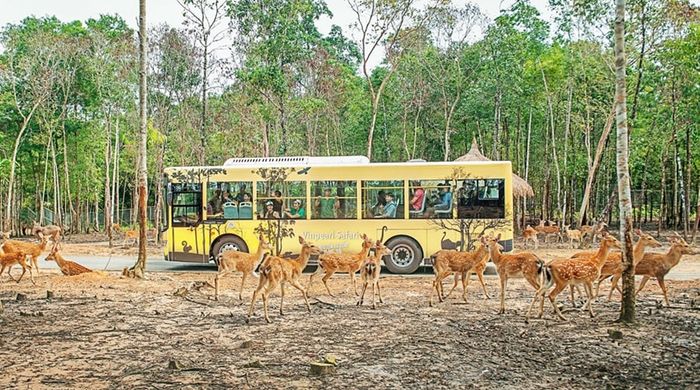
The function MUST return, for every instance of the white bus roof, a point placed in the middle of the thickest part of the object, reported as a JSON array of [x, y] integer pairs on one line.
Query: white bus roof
[[294, 161]]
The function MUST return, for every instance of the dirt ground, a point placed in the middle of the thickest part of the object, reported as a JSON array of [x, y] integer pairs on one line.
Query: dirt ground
[[103, 331]]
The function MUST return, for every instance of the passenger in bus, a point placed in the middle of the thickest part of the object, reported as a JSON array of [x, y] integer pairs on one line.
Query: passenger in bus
[[389, 209], [277, 202], [418, 196], [227, 197], [445, 198], [242, 193], [378, 208], [296, 212], [269, 212], [215, 203], [326, 205]]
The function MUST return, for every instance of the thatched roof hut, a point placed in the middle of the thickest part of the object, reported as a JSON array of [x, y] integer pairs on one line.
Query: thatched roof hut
[[520, 186]]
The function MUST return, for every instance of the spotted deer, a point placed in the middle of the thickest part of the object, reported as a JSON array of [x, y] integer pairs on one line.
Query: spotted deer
[[548, 231], [7, 260], [523, 264], [564, 273], [246, 263], [657, 265], [572, 235], [68, 268], [330, 263], [369, 274], [477, 270], [28, 248], [530, 234], [276, 271], [446, 262], [52, 231]]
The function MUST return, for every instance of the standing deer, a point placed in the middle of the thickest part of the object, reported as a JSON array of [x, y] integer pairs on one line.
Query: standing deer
[[548, 231], [10, 259], [370, 273], [52, 231], [276, 271], [573, 235], [330, 263], [28, 248], [452, 262], [477, 270], [530, 234], [657, 265], [243, 262]]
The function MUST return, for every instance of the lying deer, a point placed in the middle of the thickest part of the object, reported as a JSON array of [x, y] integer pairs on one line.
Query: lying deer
[[446, 262], [657, 265], [523, 264], [530, 234], [331, 263], [573, 235], [7, 260], [243, 262], [277, 271], [548, 231], [30, 249], [369, 274], [68, 268], [564, 273]]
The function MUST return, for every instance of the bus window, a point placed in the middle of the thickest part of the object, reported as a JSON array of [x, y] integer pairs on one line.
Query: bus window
[[277, 200], [481, 198], [334, 199], [187, 204], [430, 199], [382, 199], [229, 200]]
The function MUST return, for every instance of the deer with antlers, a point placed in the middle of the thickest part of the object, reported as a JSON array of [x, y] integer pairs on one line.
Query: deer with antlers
[[446, 262], [68, 268], [276, 271], [246, 263], [530, 234], [7, 260], [330, 263], [523, 264], [564, 273], [28, 248], [369, 274], [657, 265]]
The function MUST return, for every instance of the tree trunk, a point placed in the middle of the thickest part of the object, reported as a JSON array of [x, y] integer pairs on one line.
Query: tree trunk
[[627, 312], [687, 204], [139, 268], [697, 217], [554, 143], [202, 128], [596, 160], [108, 185]]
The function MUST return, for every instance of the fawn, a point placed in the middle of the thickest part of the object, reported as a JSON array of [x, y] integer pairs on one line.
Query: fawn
[[573, 235], [548, 231], [11, 258], [278, 271], [530, 234], [446, 262], [657, 265], [563, 273], [30, 249], [370, 273], [523, 264], [68, 268], [478, 269], [246, 263], [331, 263]]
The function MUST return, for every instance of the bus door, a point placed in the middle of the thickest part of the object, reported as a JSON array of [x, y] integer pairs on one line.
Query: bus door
[[187, 231]]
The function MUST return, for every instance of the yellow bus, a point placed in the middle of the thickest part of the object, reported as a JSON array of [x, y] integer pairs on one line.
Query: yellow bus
[[416, 208]]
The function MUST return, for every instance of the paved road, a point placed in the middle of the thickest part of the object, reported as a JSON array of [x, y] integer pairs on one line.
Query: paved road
[[688, 270]]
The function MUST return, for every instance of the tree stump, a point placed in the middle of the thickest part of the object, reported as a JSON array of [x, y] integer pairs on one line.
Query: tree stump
[[49, 294], [320, 368], [21, 297]]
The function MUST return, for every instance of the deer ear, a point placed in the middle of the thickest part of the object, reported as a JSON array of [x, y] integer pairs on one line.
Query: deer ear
[[483, 240], [638, 232], [301, 239], [498, 237]]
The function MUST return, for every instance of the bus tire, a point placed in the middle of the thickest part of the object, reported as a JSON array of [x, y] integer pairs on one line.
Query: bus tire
[[406, 255], [228, 243]]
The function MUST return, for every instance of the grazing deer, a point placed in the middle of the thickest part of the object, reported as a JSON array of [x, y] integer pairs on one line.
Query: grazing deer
[[52, 231], [243, 262], [68, 268], [573, 235], [563, 273], [370, 273], [657, 265], [548, 231], [523, 264], [278, 271], [331, 263], [448, 262], [28, 248], [530, 234], [7, 260]]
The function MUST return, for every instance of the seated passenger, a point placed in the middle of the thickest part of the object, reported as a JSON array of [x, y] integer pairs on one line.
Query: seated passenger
[[445, 198], [296, 212], [269, 212], [327, 205], [389, 209], [216, 203], [378, 207], [277, 202], [418, 196], [241, 193]]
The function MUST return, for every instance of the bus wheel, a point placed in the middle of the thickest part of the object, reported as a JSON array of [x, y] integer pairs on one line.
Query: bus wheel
[[228, 243], [406, 256]]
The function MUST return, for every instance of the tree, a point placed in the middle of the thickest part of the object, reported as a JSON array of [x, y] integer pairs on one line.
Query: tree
[[627, 313]]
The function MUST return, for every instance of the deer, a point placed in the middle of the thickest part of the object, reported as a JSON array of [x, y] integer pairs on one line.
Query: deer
[[7, 260], [573, 235], [522, 264], [68, 268], [568, 272], [331, 263], [30, 249], [613, 265], [478, 269], [52, 231], [369, 274], [530, 234], [446, 262], [243, 262], [593, 231], [4, 236], [657, 265], [276, 271], [548, 230]]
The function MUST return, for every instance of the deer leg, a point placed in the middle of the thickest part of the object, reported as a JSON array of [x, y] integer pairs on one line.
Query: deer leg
[[588, 287], [538, 294], [613, 285], [266, 295], [553, 298], [645, 279], [379, 291], [362, 296], [354, 283], [465, 283], [660, 279], [571, 296], [282, 298], [504, 282], [261, 284], [240, 291], [318, 271], [454, 285], [216, 287], [325, 282], [480, 275], [374, 298], [298, 286]]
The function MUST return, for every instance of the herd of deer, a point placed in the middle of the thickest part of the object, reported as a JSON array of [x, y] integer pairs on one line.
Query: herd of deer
[[585, 233], [583, 268]]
